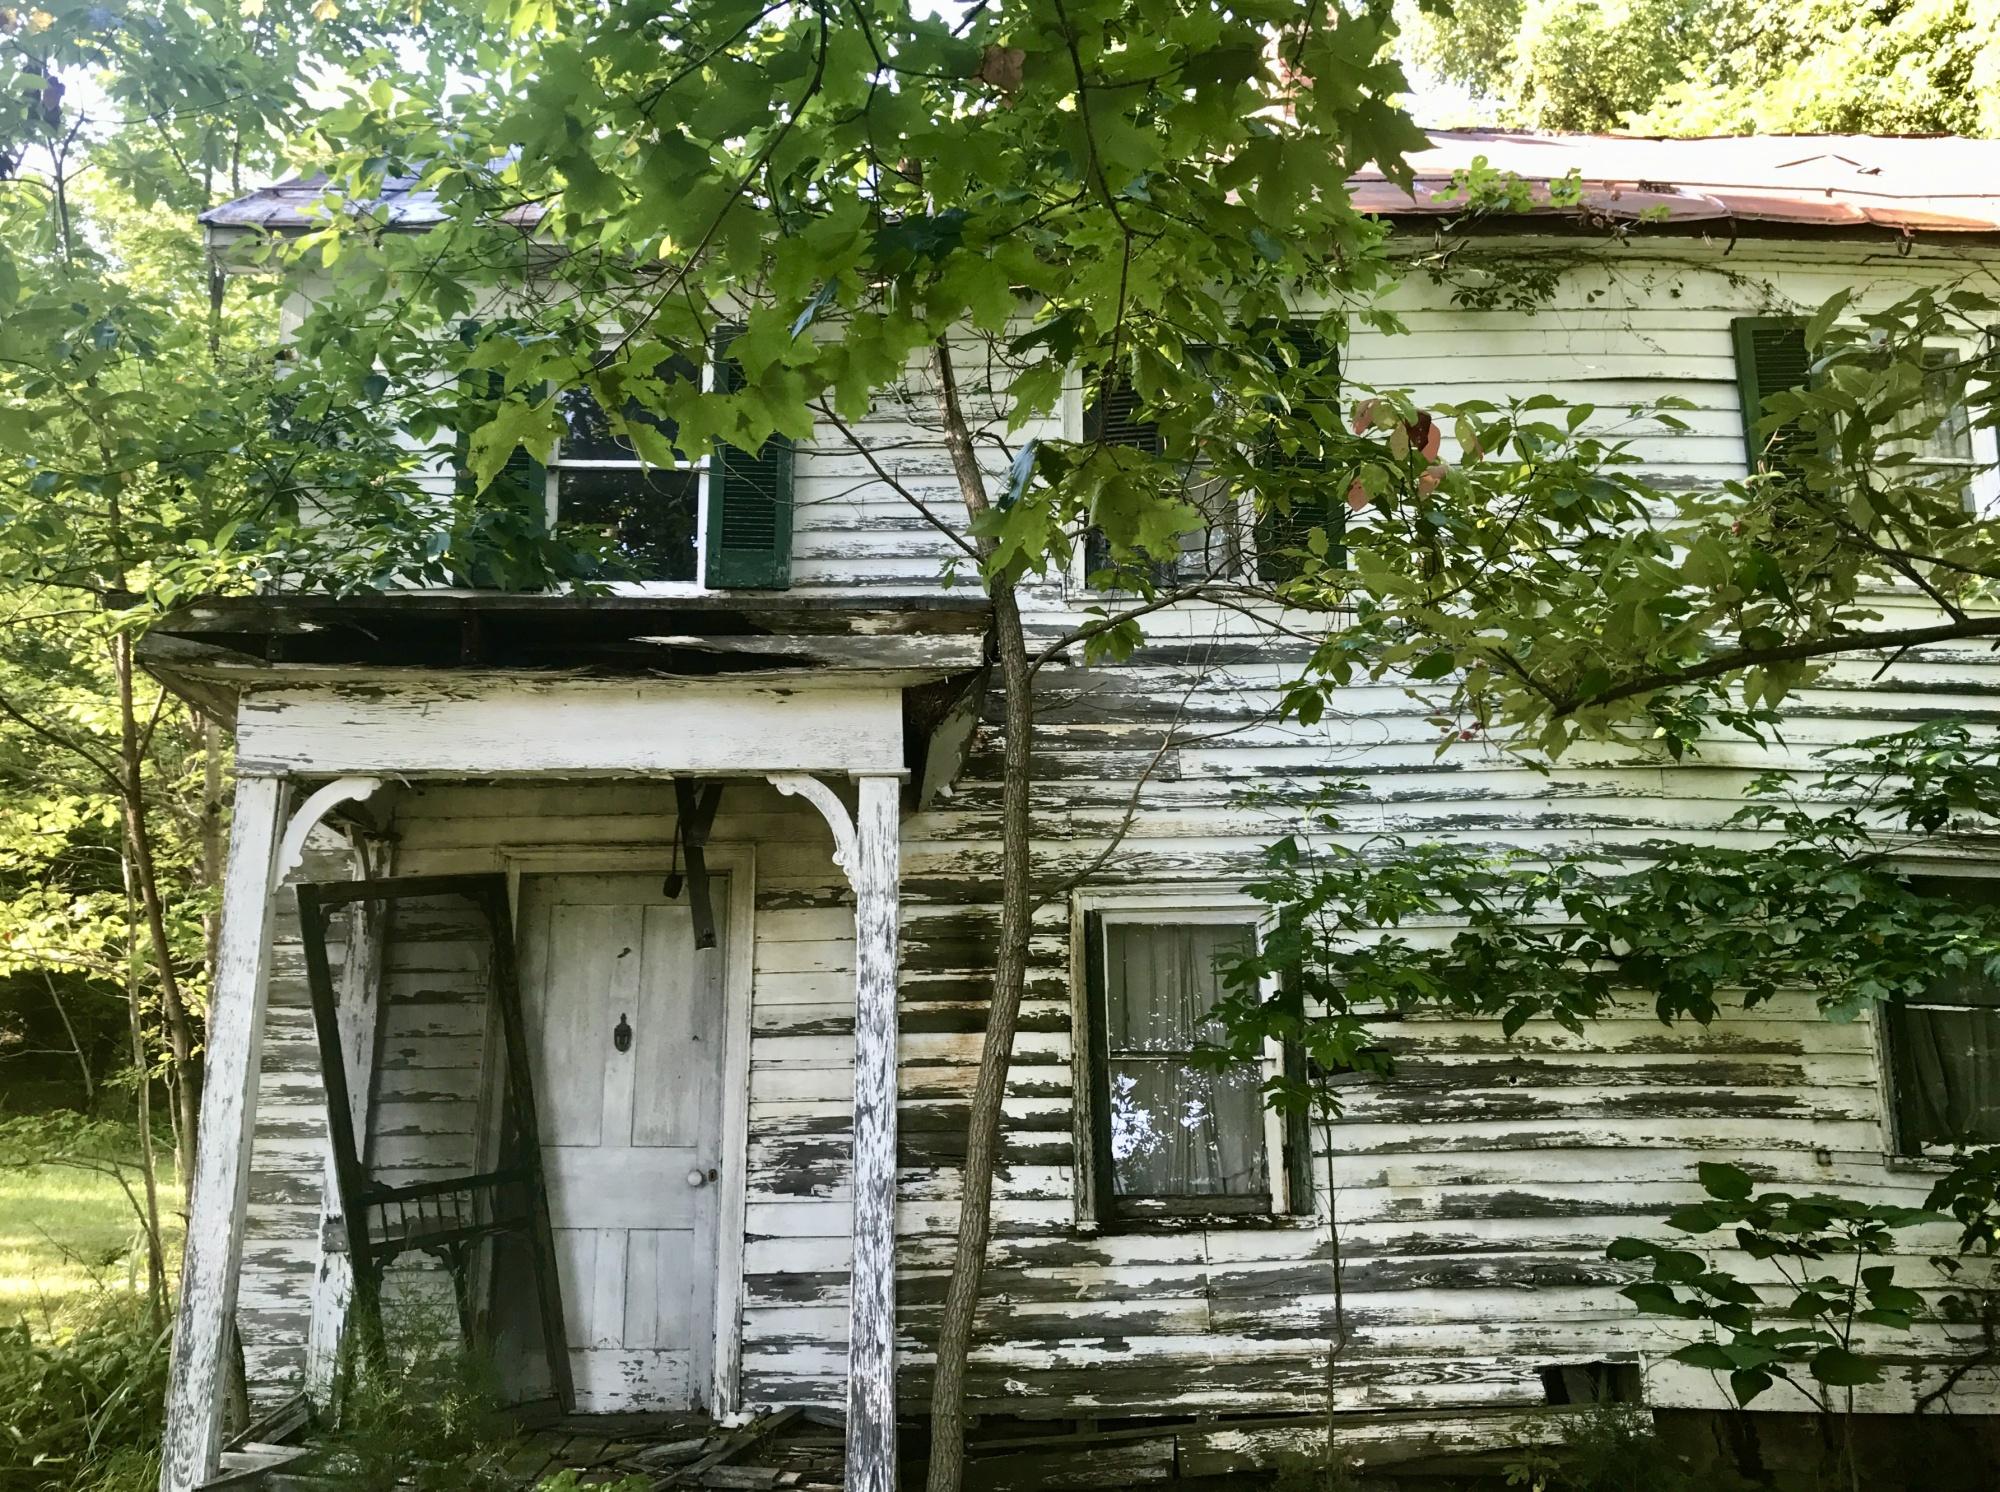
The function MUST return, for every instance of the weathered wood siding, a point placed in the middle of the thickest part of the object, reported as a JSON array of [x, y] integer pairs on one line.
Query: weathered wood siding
[[1474, 1192], [288, 1154]]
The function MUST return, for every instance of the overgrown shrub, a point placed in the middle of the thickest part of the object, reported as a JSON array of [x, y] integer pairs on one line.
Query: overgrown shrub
[[80, 1405], [428, 1418], [1615, 1449]]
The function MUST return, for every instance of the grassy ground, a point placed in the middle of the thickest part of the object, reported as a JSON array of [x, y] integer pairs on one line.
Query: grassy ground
[[64, 1234]]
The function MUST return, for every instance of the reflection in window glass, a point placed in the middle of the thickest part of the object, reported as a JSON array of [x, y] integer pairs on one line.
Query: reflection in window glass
[[1177, 1128], [1949, 446], [647, 518]]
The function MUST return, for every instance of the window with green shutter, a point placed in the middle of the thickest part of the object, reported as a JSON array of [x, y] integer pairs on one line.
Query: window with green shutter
[[1317, 492], [523, 478], [519, 491], [749, 500], [1213, 550], [1771, 357], [1112, 415]]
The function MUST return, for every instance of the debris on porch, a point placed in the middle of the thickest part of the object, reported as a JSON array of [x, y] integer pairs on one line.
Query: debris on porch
[[791, 1450]]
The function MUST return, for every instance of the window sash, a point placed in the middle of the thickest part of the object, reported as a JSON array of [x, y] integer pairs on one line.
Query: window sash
[[1942, 1048], [642, 472], [1218, 1159]]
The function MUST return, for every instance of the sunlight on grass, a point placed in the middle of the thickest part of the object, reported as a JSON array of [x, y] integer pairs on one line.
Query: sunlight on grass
[[64, 1233]]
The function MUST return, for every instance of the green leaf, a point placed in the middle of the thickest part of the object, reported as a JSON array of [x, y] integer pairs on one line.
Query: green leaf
[[1722, 1180], [1839, 1368], [1747, 1383]]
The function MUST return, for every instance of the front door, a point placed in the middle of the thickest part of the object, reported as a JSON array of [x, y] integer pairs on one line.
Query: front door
[[626, 1028]]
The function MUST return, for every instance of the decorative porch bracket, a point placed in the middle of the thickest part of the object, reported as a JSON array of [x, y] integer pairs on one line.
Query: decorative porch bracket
[[866, 848]]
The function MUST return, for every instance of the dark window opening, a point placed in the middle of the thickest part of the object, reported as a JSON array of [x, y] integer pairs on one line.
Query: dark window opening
[[646, 516], [1944, 1045], [1591, 1383]]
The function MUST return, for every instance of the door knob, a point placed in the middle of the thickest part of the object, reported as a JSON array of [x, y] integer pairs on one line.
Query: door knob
[[696, 1176]]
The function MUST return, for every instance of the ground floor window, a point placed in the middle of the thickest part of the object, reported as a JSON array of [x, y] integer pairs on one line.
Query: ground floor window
[[1944, 1047], [1174, 1135]]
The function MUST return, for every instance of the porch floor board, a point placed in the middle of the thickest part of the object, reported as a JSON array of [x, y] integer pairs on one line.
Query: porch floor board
[[789, 1451]]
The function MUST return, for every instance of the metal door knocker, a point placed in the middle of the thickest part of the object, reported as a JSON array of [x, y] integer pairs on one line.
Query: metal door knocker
[[621, 1035]]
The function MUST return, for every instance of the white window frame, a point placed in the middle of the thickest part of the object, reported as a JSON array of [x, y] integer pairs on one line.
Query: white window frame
[[1983, 470], [1931, 1157], [1164, 906], [555, 465]]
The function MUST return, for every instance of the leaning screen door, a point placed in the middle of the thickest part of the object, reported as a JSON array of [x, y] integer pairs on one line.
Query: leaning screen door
[[625, 1025]]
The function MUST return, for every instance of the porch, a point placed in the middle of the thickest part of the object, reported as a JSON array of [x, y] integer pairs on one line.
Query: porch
[[589, 998]]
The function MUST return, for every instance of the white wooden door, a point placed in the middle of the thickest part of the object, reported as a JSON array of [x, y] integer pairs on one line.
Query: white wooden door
[[631, 1139]]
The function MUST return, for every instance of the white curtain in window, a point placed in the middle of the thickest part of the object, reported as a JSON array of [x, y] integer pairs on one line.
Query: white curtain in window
[[1178, 1129]]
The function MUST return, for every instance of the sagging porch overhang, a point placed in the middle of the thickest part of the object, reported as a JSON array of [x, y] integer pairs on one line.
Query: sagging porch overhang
[[331, 699]]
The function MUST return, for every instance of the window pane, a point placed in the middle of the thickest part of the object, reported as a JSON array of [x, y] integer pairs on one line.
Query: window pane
[[1947, 1070], [1161, 982], [1971, 985], [1177, 1129], [1951, 441], [587, 434], [646, 516], [1181, 1131]]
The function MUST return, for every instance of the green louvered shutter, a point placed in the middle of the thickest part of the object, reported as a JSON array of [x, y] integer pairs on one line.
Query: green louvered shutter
[[1113, 417], [1278, 533], [1771, 357], [749, 500]]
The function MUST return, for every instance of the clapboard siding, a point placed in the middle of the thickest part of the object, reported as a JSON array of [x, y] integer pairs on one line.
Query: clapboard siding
[[288, 1152], [1475, 1190]]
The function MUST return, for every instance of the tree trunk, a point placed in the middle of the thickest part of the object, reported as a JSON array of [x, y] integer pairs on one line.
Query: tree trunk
[[1010, 967], [211, 838], [145, 877], [156, 1253]]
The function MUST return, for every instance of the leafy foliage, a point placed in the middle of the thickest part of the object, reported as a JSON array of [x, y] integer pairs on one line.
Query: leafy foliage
[[1704, 67], [80, 1407], [1106, 192], [1537, 589], [427, 1416], [1817, 1245], [1359, 934]]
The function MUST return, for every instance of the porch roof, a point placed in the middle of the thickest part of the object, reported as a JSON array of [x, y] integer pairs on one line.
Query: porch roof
[[254, 639]]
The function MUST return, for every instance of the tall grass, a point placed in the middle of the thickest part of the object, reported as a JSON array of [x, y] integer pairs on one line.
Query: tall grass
[[81, 1402]]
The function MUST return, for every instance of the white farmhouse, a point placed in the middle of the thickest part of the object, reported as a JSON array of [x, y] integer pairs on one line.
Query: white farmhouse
[[706, 868]]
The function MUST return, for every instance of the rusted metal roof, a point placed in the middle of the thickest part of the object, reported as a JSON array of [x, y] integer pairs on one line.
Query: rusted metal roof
[[1816, 183], [1928, 184]]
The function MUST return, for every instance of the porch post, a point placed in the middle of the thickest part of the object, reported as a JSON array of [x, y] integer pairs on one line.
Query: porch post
[[871, 1351], [213, 1260]]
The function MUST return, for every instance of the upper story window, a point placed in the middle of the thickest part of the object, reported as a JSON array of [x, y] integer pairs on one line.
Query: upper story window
[[1772, 357], [719, 519], [1236, 541], [1948, 450], [648, 517], [1944, 1047], [1173, 1136]]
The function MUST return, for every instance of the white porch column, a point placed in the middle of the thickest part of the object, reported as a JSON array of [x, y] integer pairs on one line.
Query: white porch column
[[213, 1260], [866, 846], [871, 1351]]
